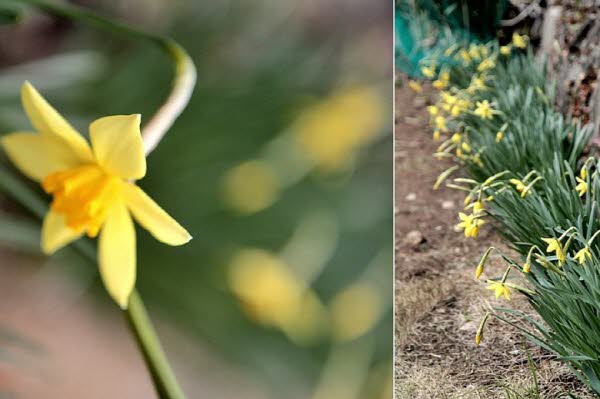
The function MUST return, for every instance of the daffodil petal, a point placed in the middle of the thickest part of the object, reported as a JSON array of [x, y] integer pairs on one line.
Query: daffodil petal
[[116, 254], [56, 234], [118, 146], [153, 218], [49, 122], [38, 155]]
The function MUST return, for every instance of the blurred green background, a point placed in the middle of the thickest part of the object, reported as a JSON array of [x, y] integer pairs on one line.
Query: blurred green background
[[280, 167]]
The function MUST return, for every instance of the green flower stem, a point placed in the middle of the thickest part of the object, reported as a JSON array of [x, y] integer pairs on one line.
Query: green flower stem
[[182, 87]]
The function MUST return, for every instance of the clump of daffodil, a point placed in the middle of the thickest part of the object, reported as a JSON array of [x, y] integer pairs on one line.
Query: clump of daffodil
[[415, 86], [484, 109], [93, 187], [470, 223], [519, 41]]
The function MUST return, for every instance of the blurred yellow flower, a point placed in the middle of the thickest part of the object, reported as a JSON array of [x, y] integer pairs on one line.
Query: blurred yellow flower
[[499, 136], [436, 135], [92, 187], [428, 72], [440, 123], [484, 110], [486, 64], [499, 288], [505, 50], [251, 186], [583, 172], [464, 55], [355, 310], [581, 187], [433, 110], [415, 86], [456, 137], [271, 294], [332, 130], [519, 41]]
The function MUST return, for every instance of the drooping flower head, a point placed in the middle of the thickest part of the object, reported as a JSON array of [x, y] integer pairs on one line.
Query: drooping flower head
[[92, 187]]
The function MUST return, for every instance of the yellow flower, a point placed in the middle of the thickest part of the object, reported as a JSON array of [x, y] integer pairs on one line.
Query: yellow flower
[[474, 51], [456, 138], [554, 246], [440, 84], [470, 223], [433, 110], [582, 255], [415, 86], [455, 111], [499, 137], [520, 186], [429, 72], [92, 187], [581, 187], [519, 41], [436, 135], [465, 147], [583, 173], [440, 123], [478, 206], [499, 288], [477, 84], [464, 55], [484, 51], [484, 110], [464, 104], [505, 50], [527, 267], [486, 64]]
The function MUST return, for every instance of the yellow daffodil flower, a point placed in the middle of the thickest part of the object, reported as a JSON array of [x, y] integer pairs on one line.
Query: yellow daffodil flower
[[583, 173], [474, 52], [455, 111], [582, 254], [483, 50], [581, 186], [484, 110], [436, 135], [415, 86], [440, 84], [478, 206], [520, 187], [464, 104], [464, 55], [465, 147], [433, 110], [477, 84], [499, 137], [428, 72], [527, 267], [486, 64], [470, 223], [505, 50], [440, 123], [456, 137], [499, 288], [92, 187], [519, 41], [554, 246]]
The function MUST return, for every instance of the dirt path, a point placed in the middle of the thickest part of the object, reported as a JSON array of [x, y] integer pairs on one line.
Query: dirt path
[[438, 302]]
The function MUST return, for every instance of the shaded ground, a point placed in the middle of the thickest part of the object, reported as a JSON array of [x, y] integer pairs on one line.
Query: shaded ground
[[438, 302]]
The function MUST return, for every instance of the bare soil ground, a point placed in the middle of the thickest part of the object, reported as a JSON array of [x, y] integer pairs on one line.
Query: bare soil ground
[[438, 302]]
